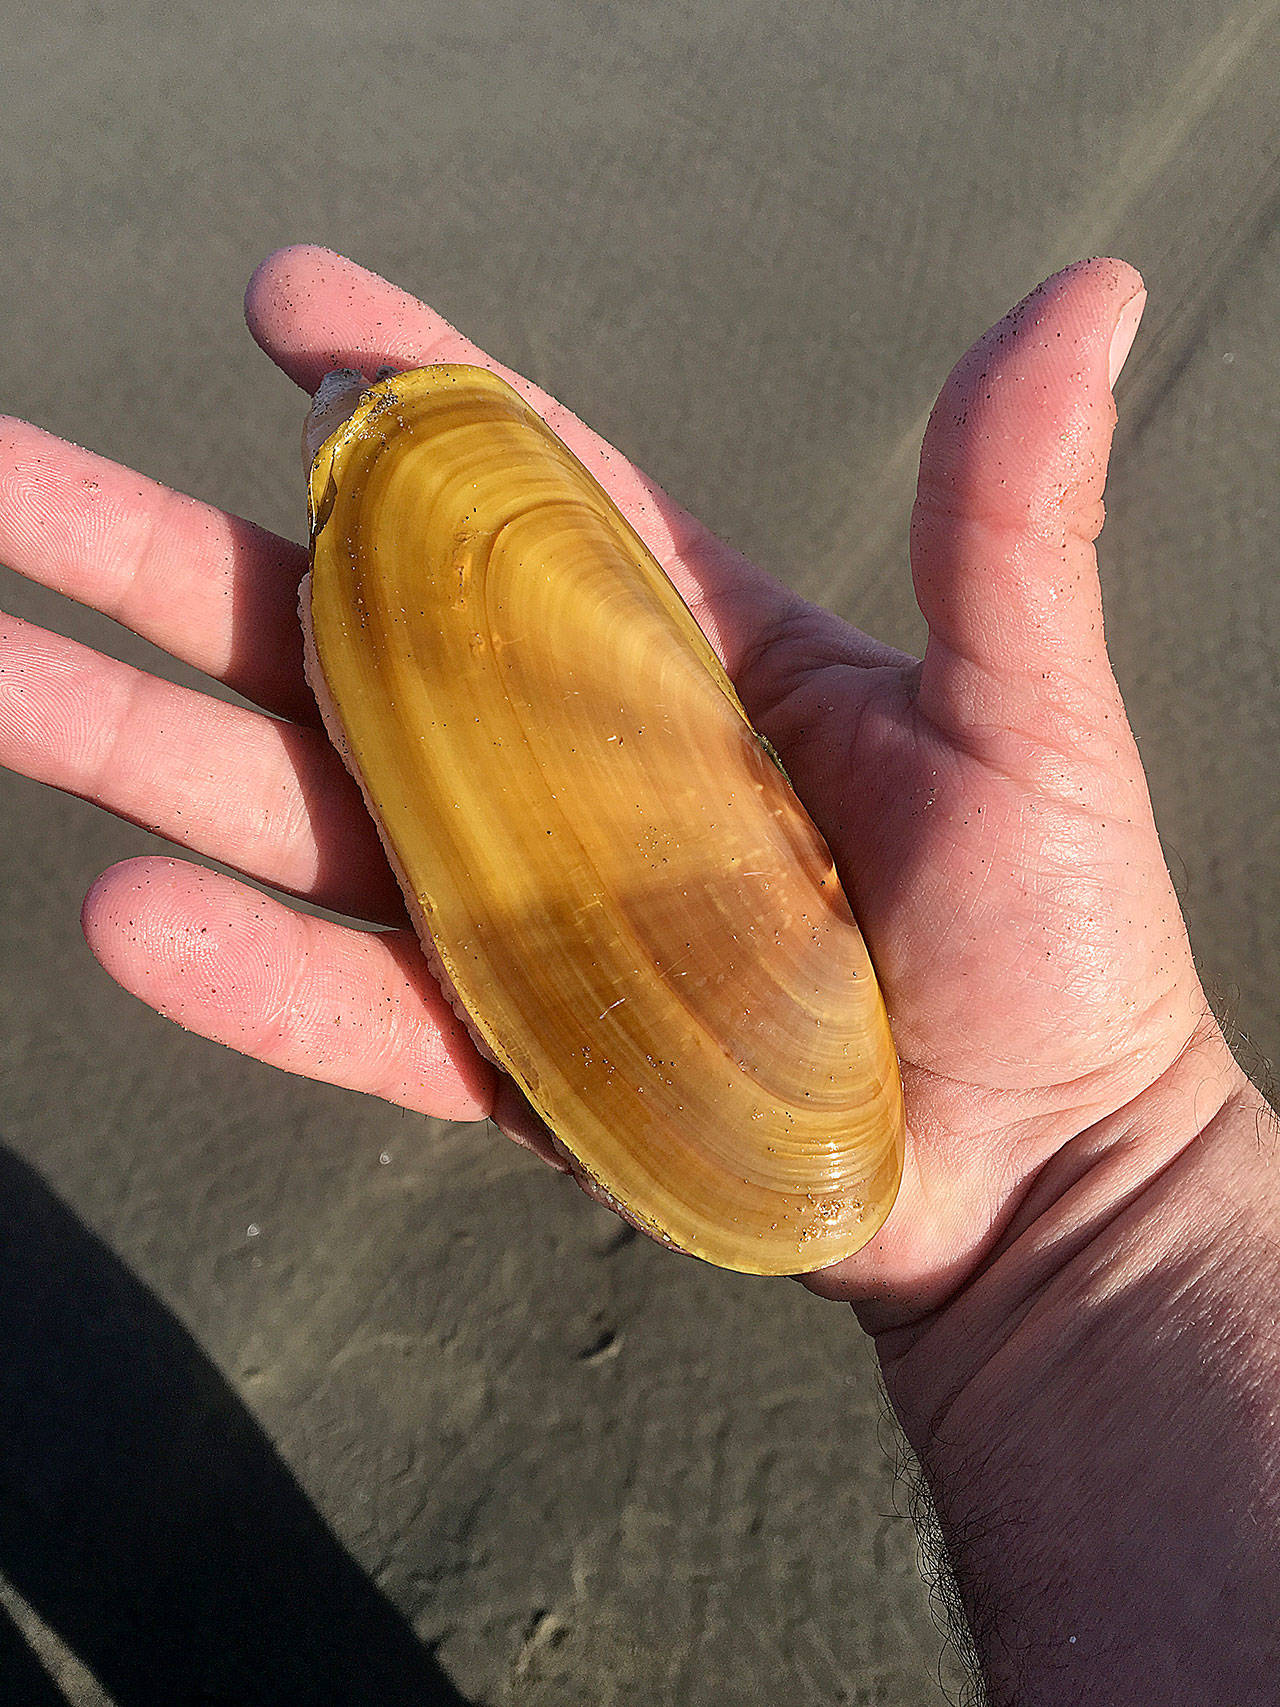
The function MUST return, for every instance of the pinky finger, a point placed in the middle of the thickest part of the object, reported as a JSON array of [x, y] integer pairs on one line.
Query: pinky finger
[[351, 1008]]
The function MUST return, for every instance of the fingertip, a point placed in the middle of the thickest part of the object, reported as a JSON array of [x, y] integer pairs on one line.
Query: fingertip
[[279, 270], [1095, 277], [263, 285], [91, 908], [1060, 330], [311, 309], [1126, 330], [1114, 292], [512, 1113], [134, 906], [104, 891], [316, 999], [1010, 501], [130, 921], [1110, 271], [285, 294], [1027, 411]]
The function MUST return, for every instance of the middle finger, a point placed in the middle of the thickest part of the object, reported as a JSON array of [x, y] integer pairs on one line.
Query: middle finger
[[214, 590]]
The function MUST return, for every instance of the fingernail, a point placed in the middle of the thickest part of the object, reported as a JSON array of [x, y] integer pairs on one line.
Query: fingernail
[[1126, 331]]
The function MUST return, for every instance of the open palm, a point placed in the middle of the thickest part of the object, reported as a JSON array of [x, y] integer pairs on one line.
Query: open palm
[[986, 807]]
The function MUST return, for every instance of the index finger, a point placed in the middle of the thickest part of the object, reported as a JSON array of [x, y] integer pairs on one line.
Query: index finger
[[312, 310]]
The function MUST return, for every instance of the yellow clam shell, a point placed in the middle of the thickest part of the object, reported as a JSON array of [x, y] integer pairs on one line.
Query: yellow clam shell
[[606, 864]]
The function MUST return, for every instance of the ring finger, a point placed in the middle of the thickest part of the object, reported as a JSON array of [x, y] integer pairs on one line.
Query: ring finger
[[269, 798]]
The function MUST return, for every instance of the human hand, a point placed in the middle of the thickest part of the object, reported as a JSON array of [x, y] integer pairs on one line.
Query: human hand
[[986, 808]]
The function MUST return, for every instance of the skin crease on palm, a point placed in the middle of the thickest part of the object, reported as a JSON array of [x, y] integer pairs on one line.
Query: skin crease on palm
[[986, 806]]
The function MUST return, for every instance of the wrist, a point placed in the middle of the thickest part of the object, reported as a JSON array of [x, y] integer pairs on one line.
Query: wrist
[[1098, 1413], [1093, 1210]]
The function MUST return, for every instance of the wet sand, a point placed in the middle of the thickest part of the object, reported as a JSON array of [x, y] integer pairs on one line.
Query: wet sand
[[309, 1400]]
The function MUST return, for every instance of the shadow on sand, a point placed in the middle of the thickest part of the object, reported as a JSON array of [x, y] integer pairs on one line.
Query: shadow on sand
[[144, 1515]]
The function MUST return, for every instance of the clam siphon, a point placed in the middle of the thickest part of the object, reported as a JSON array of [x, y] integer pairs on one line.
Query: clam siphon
[[608, 868]]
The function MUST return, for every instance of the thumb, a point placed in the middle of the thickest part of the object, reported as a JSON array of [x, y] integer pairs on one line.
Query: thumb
[[1008, 507]]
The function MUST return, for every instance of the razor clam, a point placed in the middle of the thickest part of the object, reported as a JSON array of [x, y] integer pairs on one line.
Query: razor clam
[[606, 865]]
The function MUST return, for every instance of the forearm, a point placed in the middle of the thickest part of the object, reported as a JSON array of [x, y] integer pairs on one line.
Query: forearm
[[1098, 1416]]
